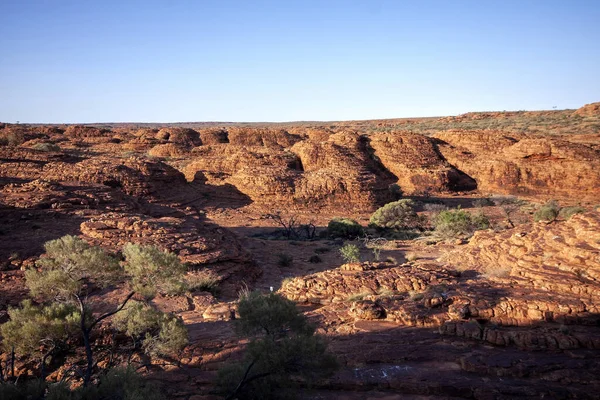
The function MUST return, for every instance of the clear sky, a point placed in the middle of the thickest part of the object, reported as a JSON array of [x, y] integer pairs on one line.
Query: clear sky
[[225, 60]]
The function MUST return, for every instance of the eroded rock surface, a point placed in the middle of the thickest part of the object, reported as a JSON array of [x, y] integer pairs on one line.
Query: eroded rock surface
[[516, 164]]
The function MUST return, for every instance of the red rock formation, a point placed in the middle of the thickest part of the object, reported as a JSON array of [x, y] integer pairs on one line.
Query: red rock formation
[[514, 164], [415, 161], [589, 110]]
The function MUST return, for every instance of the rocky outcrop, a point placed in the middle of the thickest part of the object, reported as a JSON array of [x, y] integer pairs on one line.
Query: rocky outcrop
[[135, 176], [520, 165], [341, 170], [308, 174], [179, 136], [589, 110], [552, 270], [535, 287], [195, 242], [406, 294], [168, 150], [265, 137], [84, 132], [214, 135], [417, 164]]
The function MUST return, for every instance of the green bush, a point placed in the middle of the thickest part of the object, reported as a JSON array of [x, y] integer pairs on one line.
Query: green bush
[[153, 270], [568, 212], [71, 275], [283, 348], [346, 228], [480, 221], [115, 384], [350, 253], [399, 214], [548, 212], [156, 332], [458, 223], [203, 281]]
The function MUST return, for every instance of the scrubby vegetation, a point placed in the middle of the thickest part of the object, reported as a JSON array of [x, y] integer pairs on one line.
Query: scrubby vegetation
[[458, 223], [203, 281], [350, 253], [346, 228], [114, 384], [67, 282], [568, 212], [399, 214], [282, 346], [548, 212]]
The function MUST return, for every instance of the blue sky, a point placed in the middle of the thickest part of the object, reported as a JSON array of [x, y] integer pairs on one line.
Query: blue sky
[[176, 60]]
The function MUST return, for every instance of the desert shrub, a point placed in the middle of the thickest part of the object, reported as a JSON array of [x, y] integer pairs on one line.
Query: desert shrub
[[344, 228], [73, 272], [480, 221], [399, 214], [435, 208], [457, 223], [548, 212], [70, 266], [411, 256], [39, 331], [125, 384], [153, 270], [171, 339], [283, 347], [509, 206], [23, 390], [46, 147], [115, 384], [284, 260], [483, 202], [568, 212], [203, 281], [350, 253], [156, 332]]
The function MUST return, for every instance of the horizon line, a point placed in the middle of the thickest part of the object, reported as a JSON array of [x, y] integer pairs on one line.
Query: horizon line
[[283, 122]]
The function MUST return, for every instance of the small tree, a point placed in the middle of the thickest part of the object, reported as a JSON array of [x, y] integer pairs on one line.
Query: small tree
[[399, 214], [72, 272], [39, 330], [283, 346], [509, 206], [115, 384]]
